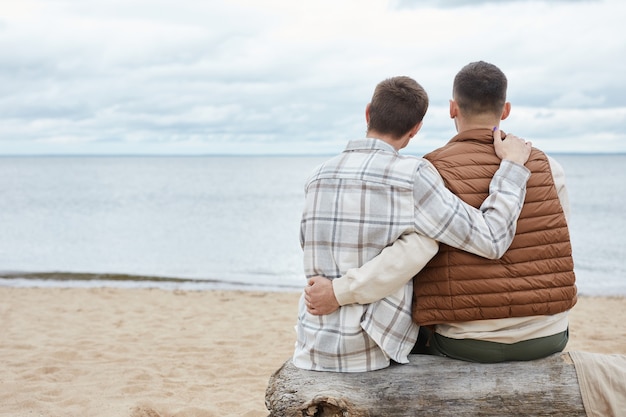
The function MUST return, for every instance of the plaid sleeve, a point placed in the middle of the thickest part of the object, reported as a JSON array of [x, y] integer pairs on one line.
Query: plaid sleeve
[[487, 231]]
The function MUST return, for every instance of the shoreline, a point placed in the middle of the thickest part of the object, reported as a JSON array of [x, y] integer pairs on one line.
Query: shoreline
[[146, 352], [60, 279], [56, 279]]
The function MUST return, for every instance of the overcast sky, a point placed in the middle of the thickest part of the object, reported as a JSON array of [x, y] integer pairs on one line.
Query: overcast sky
[[290, 76]]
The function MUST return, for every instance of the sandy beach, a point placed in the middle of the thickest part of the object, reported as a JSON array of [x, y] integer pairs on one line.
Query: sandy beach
[[149, 353]]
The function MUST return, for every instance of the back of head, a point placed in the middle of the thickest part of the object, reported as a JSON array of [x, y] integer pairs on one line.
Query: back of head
[[480, 88], [398, 104]]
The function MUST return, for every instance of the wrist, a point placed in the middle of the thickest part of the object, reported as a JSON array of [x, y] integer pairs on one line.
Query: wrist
[[515, 171], [517, 161], [341, 289]]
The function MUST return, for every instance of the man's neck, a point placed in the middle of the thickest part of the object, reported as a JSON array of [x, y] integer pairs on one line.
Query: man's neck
[[396, 143], [465, 125]]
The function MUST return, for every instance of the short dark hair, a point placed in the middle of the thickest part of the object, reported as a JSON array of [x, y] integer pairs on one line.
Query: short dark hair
[[398, 104], [480, 87]]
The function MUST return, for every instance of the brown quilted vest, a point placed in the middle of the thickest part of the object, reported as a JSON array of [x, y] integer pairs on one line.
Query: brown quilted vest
[[534, 277]]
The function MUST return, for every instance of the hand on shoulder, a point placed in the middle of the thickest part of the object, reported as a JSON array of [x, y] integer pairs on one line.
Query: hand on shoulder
[[511, 147]]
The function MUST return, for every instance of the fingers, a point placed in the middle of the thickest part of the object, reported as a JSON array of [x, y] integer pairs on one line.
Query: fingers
[[497, 135], [311, 308], [511, 137], [511, 147], [315, 279], [528, 144], [307, 297], [316, 308], [319, 297]]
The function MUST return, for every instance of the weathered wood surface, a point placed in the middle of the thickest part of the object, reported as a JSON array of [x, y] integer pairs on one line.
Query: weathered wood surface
[[430, 386]]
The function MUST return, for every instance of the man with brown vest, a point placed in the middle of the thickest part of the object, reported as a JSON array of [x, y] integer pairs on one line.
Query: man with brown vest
[[476, 309]]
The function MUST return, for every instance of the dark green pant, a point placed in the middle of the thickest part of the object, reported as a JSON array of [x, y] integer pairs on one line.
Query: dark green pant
[[491, 352]]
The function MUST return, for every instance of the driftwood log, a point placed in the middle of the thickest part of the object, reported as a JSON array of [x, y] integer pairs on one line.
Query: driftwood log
[[430, 386]]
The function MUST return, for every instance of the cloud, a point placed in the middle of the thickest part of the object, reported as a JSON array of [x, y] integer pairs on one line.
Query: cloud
[[292, 77], [412, 4]]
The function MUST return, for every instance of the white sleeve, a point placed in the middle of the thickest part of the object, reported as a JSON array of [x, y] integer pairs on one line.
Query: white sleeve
[[386, 273], [558, 174]]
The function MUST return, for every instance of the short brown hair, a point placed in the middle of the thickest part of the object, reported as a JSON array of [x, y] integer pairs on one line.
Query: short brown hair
[[480, 87], [398, 104]]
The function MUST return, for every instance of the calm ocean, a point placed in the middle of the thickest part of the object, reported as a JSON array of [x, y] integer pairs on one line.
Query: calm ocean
[[224, 222]]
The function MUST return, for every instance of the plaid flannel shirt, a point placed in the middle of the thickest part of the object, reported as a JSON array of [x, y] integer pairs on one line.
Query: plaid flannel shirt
[[363, 200]]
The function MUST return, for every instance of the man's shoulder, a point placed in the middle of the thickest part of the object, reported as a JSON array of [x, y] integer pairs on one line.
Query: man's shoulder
[[460, 148], [370, 166], [374, 160]]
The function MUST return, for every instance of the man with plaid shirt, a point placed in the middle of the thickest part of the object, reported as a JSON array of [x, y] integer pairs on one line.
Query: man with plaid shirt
[[366, 198]]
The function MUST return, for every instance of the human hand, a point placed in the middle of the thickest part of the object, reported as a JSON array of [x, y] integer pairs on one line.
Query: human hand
[[511, 147], [320, 296]]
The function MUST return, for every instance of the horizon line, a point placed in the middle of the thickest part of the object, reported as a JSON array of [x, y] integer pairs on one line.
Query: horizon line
[[203, 155]]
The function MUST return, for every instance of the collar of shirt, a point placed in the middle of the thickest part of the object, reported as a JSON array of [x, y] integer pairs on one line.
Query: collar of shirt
[[369, 144], [480, 135]]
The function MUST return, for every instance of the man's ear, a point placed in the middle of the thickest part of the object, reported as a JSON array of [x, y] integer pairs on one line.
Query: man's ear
[[367, 113], [506, 111], [416, 129], [454, 109]]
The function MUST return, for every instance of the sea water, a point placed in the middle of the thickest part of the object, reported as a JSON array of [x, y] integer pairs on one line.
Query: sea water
[[225, 221]]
